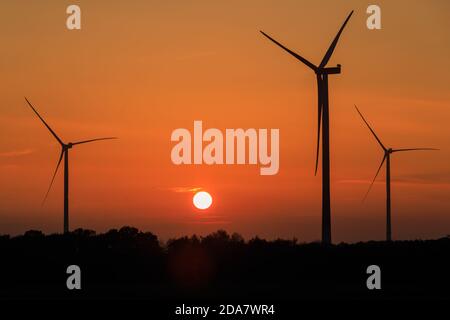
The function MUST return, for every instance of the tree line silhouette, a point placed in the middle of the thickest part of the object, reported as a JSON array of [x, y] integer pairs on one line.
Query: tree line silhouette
[[128, 263]]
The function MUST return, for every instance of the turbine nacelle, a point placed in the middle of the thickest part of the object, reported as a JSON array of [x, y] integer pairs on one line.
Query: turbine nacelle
[[68, 146], [390, 150], [331, 70]]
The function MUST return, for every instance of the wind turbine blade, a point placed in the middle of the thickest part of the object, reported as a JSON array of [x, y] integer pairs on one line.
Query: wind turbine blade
[[373, 181], [319, 113], [45, 123], [373, 132], [334, 43], [91, 140], [54, 175], [414, 149], [309, 64]]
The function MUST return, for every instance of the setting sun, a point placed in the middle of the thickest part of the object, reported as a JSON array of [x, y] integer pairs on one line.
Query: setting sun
[[202, 200]]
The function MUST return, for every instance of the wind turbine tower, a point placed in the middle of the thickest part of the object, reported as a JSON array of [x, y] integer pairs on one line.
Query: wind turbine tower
[[322, 73], [65, 147], [387, 158]]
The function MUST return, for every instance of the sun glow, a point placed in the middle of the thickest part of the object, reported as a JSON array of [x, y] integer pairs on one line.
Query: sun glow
[[202, 200]]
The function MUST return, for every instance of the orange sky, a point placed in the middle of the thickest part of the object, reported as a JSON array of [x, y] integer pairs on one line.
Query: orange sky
[[140, 70]]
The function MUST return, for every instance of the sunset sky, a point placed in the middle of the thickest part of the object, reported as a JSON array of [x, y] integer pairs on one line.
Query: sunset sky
[[140, 69]]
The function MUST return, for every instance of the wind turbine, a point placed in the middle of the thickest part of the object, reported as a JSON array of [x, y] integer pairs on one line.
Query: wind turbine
[[387, 158], [322, 73], [64, 152]]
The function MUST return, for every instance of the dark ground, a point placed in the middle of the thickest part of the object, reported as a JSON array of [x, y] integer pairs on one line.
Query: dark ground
[[128, 265]]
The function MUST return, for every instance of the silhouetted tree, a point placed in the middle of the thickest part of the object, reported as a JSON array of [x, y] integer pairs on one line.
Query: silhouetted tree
[[83, 233], [129, 232], [33, 234], [236, 237]]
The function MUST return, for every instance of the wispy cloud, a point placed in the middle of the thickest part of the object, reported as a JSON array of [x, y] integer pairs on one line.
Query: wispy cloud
[[427, 177], [185, 189], [181, 189], [16, 153], [355, 181], [210, 222], [8, 166], [430, 179]]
